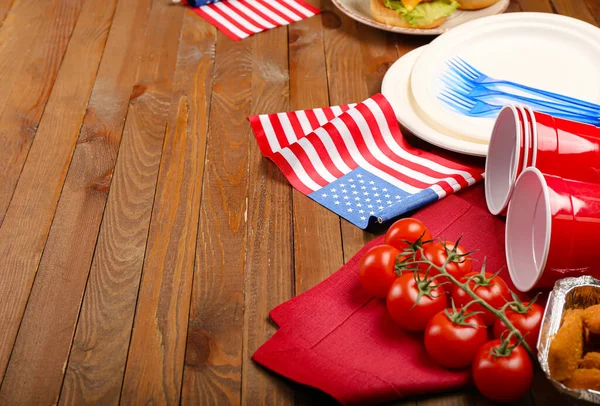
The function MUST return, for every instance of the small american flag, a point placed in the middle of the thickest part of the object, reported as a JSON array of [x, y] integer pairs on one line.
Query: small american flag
[[354, 160], [239, 19]]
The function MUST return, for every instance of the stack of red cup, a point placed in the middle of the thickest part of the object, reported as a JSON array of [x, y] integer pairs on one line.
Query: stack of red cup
[[543, 173]]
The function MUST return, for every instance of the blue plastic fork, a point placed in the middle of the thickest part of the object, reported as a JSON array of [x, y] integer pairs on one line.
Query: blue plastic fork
[[467, 106], [478, 92], [471, 75], [476, 108]]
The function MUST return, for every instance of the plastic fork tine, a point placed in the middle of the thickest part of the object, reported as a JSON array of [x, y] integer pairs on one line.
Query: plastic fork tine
[[457, 78], [467, 105], [460, 66], [475, 78], [451, 63], [452, 67], [452, 105], [463, 68], [446, 99], [454, 82], [475, 94], [460, 96], [458, 99], [474, 107], [469, 67]]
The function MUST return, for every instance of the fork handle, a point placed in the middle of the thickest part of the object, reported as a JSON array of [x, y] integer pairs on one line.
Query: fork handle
[[536, 103], [543, 93]]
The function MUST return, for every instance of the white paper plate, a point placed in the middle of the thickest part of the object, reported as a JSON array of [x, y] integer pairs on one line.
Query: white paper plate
[[396, 88], [360, 10], [546, 51]]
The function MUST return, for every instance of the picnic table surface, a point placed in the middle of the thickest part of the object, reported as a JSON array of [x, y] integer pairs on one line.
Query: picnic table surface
[[143, 237]]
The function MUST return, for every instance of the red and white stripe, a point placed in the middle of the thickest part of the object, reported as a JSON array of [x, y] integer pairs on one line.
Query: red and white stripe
[[239, 19], [315, 147]]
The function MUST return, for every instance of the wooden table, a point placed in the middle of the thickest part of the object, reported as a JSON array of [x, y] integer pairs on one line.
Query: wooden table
[[143, 238]]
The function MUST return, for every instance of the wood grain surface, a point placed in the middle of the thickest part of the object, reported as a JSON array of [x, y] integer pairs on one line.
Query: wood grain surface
[[154, 369], [315, 258], [25, 229], [28, 67], [269, 256], [213, 360], [143, 237], [94, 372], [35, 373], [5, 5]]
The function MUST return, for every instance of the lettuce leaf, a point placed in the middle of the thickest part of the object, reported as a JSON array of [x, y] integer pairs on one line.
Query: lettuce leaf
[[423, 13]]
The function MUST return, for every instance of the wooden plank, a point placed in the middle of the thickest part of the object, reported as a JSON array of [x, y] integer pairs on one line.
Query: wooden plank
[[448, 399], [542, 6], [594, 7], [269, 273], [156, 355], [213, 363], [317, 233], [315, 258], [378, 50], [543, 392], [94, 372], [403, 402], [28, 219], [5, 5], [480, 400], [29, 63], [514, 7], [576, 9], [354, 73], [36, 367], [17, 39], [346, 78]]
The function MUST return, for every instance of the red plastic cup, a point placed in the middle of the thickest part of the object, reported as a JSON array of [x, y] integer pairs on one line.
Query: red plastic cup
[[552, 227], [530, 119], [504, 159], [566, 148], [525, 148], [559, 147]]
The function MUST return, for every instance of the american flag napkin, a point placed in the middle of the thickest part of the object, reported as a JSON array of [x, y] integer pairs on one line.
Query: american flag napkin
[[239, 19], [354, 160]]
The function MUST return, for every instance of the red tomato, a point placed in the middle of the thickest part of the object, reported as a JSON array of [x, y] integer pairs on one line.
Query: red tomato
[[502, 378], [453, 345], [438, 253], [492, 289], [376, 271], [407, 229], [402, 297], [527, 318]]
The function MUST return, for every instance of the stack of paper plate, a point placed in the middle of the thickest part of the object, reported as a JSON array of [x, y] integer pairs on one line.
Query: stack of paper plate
[[546, 51]]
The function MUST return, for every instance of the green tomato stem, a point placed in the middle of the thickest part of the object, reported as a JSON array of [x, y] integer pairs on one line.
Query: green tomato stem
[[465, 286]]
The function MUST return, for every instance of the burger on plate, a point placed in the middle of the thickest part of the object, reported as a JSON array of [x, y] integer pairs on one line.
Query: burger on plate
[[421, 13]]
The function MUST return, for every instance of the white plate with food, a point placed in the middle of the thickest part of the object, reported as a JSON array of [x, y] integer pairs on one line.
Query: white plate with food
[[549, 52], [396, 88], [418, 17]]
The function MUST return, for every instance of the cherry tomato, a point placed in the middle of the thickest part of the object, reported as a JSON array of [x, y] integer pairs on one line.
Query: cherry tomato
[[453, 345], [402, 297], [376, 270], [407, 229], [502, 378], [437, 252], [527, 318], [493, 290]]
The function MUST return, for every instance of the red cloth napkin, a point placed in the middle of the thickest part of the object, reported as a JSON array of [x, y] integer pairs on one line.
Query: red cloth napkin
[[340, 340]]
